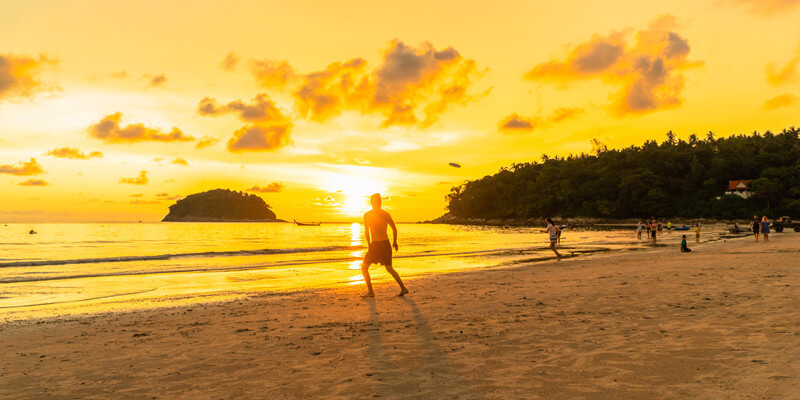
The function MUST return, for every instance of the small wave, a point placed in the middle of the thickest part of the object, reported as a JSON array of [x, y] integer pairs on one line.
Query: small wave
[[29, 263]]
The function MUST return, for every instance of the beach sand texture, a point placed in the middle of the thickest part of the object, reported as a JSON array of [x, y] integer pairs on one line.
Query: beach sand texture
[[720, 322]]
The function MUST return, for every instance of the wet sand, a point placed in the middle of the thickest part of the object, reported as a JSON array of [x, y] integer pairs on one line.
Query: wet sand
[[720, 322]]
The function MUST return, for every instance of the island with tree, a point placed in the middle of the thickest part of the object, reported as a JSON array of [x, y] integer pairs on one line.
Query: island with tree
[[221, 205], [675, 178]]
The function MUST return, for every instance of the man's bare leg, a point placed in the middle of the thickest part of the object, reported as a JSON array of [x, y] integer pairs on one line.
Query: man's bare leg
[[553, 247], [396, 276], [367, 280]]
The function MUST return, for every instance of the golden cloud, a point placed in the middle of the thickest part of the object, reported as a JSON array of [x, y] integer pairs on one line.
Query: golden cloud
[[262, 109], [515, 123], [206, 141], [777, 76], [23, 168], [156, 80], [33, 182], [180, 161], [648, 74], [273, 187], [780, 101], [260, 138], [19, 75], [272, 74], [73, 153], [139, 180], [229, 62], [412, 86], [109, 130]]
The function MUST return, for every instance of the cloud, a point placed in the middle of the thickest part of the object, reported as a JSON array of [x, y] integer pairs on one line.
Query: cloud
[[260, 138], [517, 123], [648, 74], [137, 195], [229, 62], [120, 75], [766, 7], [22, 169], [564, 114], [73, 153], [261, 109], [19, 75], [272, 74], [139, 180], [777, 76], [206, 141], [780, 101], [273, 187], [180, 161], [162, 194], [33, 182], [109, 130], [268, 128], [361, 162], [412, 86], [156, 80]]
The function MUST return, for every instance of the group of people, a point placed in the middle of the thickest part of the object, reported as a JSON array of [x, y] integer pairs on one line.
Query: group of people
[[760, 226], [653, 228]]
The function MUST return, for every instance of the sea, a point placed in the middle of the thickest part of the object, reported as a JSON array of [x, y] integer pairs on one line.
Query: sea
[[75, 268]]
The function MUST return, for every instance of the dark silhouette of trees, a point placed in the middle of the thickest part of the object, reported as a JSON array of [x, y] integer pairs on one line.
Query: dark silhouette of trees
[[676, 178]]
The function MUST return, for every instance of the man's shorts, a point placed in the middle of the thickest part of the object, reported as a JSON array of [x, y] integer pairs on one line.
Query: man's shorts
[[379, 253]]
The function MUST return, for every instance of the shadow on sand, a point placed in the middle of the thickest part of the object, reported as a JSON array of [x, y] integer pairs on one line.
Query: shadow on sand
[[412, 367]]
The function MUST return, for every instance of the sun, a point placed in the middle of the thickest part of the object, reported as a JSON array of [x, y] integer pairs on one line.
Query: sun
[[352, 192]]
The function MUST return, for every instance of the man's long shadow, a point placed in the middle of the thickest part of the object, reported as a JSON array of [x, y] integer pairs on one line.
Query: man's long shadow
[[434, 373]]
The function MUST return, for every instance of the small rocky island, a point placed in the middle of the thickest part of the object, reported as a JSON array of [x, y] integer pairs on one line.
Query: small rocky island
[[220, 205]]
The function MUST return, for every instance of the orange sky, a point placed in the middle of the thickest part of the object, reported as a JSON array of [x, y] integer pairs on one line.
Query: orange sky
[[317, 104]]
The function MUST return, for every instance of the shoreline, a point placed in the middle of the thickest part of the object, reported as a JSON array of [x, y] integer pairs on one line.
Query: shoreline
[[582, 222], [641, 324]]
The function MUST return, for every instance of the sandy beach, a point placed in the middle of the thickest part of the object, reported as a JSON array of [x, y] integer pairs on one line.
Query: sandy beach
[[720, 322]]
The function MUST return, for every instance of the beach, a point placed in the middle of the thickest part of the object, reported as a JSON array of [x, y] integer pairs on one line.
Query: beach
[[720, 322]]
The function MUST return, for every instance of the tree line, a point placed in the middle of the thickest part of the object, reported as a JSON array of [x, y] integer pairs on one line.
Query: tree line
[[676, 178]]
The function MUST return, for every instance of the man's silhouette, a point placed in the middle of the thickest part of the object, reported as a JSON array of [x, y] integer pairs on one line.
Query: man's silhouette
[[380, 252]]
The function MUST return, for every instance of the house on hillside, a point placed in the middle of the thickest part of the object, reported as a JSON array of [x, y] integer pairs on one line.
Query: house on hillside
[[739, 188]]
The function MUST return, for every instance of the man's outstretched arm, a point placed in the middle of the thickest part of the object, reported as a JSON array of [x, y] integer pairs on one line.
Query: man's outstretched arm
[[394, 232]]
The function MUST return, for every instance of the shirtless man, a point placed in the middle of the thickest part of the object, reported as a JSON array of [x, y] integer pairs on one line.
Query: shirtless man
[[380, 252]]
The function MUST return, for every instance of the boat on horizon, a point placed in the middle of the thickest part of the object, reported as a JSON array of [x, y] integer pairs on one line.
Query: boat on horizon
[[307, 223]]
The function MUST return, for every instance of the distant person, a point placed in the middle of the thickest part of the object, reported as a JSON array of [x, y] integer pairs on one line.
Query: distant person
[[380, 251], [669, 226], [659, 227], [639, 230], [765, 228], [756, 226], [552, 230], [684, 249], [558, 238], [697, 233], [653, 231]]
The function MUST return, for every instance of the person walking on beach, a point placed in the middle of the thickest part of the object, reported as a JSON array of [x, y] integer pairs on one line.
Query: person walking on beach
[[756, 226], [376, 222], [765, 228], [553, 230], [639, 230]]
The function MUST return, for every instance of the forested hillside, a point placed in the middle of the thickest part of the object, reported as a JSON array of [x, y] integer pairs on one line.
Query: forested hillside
[[674, 178]]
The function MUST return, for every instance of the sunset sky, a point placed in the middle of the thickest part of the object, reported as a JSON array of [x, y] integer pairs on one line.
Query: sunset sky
[[110, 111]]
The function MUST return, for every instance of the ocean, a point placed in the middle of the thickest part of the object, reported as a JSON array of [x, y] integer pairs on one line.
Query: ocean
[[96, 267]]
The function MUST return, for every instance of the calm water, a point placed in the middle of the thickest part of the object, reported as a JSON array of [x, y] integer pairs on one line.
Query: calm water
[[71, 268]]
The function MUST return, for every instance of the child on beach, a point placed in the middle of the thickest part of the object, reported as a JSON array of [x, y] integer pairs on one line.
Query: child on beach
[[684, 249], [756, 226], [639, 230], [553, 230], [764, 229], [697, 233]]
